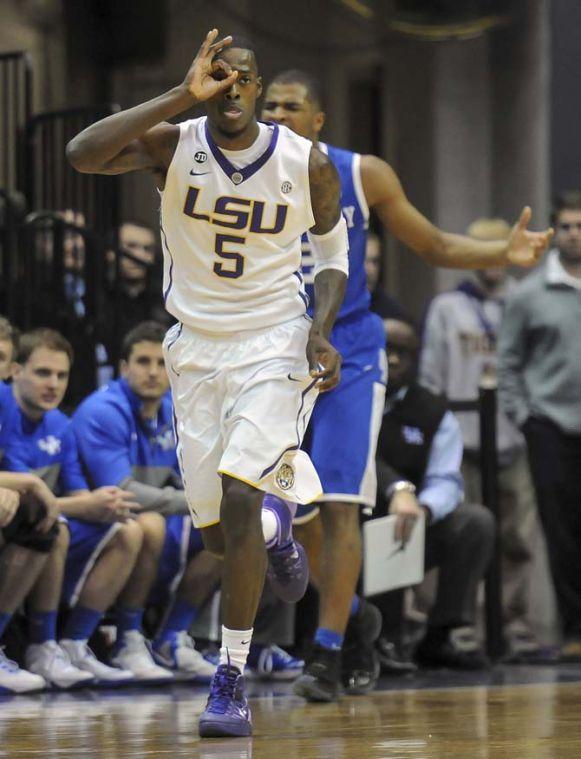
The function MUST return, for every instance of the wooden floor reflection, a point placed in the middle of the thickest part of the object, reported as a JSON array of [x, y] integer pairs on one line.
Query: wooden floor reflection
[[535, 721]]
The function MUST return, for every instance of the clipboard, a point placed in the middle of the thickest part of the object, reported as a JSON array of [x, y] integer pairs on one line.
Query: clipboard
[[386, 564]]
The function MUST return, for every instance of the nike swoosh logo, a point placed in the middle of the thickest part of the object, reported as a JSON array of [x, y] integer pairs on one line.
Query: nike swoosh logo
[[293, 379], [199, 173], [244, 642]]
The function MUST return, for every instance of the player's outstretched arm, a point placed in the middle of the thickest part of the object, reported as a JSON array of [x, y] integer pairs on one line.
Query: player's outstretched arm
[[138, 138], [385, 195], [329, 243]]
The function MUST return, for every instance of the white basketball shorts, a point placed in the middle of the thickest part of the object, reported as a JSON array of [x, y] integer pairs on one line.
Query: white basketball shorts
[[242, 404]]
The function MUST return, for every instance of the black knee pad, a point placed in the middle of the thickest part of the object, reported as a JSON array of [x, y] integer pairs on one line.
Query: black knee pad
[[22, 530]]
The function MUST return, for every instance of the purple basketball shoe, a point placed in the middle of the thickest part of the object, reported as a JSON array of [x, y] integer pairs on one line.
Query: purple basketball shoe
[[227, 712]]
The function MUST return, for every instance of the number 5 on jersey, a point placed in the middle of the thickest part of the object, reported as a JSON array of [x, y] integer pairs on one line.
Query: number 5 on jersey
[[231, 271]]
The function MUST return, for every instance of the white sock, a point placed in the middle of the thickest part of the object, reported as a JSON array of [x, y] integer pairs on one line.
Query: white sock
[[270, 527], [235, 647]]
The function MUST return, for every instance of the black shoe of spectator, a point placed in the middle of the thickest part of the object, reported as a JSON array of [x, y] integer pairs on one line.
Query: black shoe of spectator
[[321, 678], [450, 649], [360, 668], [390, 659]]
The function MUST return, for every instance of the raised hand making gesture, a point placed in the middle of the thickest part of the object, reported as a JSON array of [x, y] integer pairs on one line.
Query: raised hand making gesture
[[525, 248], [207, 77], [141, 137]]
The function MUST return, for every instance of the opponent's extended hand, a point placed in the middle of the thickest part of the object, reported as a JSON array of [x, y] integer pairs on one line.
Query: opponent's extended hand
[[207, 77], [324, 362], [525, 248]]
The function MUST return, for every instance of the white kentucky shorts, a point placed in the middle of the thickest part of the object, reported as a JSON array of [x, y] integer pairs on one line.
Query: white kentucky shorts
[[242, 404]]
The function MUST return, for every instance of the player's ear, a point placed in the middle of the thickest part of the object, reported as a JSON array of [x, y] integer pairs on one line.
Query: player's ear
[[16, 369], [123, 367], [258, 86], [319, 121]]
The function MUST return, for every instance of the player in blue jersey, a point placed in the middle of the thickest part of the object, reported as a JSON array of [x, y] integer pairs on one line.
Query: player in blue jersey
[[345, 422], [99, 543], [125, 437], [28, 511]]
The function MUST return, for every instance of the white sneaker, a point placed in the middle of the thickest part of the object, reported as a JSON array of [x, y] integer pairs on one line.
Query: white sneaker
[[134, 655], [53, 663], [16, 680], [180, 655], [83, 658]]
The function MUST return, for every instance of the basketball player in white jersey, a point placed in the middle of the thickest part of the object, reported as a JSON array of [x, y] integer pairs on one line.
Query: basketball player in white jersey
[[245, 361]]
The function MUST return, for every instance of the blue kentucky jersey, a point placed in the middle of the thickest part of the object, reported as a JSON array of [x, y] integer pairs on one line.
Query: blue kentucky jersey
[[356, 215], [116, 443], [46, 446]]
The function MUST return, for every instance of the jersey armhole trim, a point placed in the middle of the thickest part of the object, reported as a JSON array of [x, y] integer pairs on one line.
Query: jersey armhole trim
[[358, 185], [183, 127]]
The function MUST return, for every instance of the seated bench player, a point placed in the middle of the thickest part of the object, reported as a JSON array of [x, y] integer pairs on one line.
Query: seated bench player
[[20, 565], [99, 541], [125, 437], [28, 531], [419, 455]]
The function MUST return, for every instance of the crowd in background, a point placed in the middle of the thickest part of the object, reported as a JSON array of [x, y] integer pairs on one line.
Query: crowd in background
[[95, 533]]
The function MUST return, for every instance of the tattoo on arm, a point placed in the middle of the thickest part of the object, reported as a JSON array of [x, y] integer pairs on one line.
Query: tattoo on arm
[[325, 192], [325, 200]]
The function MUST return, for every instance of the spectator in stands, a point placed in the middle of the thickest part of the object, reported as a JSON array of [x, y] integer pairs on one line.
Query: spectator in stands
[[418, 465], [540, 390], [133, 294], [104, 541], [8, 340], [382, 303], [459, 347], [60, 272], [141, 297], [138, 240], [125, 437], [74, 263]]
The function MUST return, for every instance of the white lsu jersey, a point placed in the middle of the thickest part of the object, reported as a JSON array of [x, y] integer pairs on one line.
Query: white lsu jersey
[[231, 235]]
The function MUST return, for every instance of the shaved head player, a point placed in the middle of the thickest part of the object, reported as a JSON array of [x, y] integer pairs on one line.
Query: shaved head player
[[245, 360], [346, 421]]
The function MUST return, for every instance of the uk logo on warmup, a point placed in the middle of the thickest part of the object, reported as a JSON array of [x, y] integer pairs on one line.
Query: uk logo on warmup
[[50, 445], [413, 435]]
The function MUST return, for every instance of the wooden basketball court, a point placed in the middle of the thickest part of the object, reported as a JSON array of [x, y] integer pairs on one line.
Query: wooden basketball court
[[521, 713]]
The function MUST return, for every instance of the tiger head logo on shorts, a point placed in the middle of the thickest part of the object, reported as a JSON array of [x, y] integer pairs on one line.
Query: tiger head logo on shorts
[[285, 477]]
